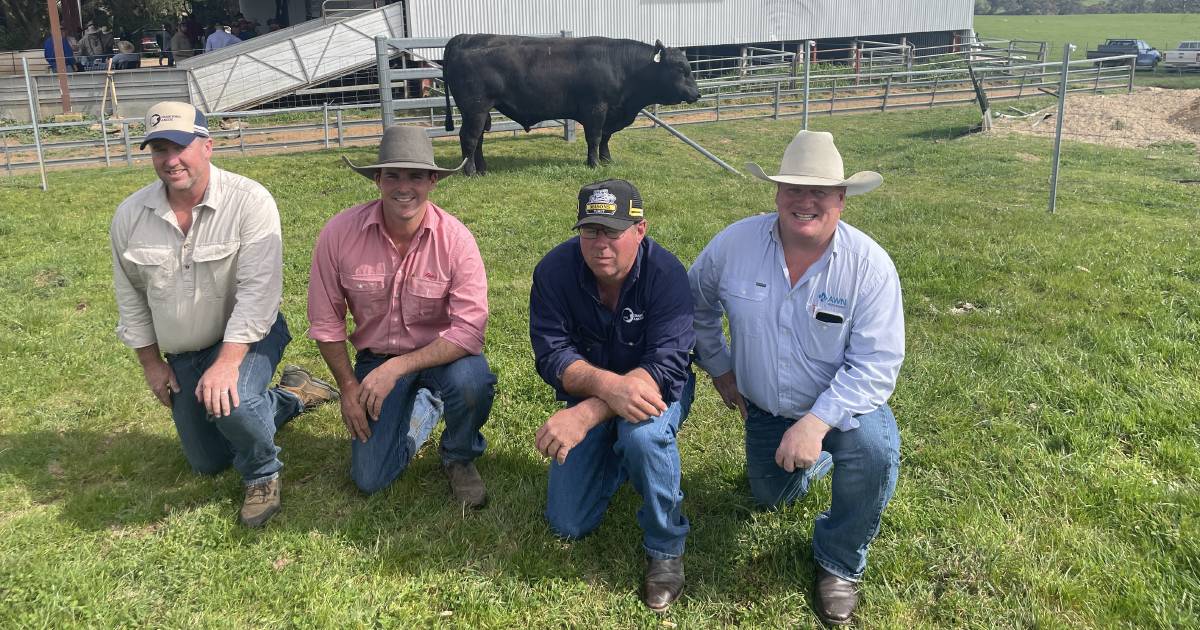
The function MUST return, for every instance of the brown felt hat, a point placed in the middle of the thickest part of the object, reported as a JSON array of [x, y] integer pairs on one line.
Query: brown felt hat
[[404, 146]]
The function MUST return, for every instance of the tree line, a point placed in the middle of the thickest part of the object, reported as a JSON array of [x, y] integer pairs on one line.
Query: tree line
[[1065, 7]]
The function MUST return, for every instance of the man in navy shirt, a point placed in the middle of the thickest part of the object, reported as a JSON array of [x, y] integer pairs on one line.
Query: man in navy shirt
[[610, 318]]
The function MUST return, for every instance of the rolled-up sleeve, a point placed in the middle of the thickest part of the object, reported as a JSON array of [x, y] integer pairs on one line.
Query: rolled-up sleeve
[[712, 349], [135, 326], [259, 276], [326, 300], [669, 333], [549, 330], [874, 353], [468, 303]]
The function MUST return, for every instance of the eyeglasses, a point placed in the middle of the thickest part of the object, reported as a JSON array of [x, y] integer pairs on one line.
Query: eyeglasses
[[590, 232]]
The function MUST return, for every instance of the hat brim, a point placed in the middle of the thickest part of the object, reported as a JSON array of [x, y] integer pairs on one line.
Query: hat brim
[[857, 184], [369, 171], [182, 138], [606, 221]]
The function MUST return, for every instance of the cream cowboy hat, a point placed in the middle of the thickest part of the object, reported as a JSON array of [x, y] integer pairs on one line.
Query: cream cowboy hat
[[404, 146], [811, 159]]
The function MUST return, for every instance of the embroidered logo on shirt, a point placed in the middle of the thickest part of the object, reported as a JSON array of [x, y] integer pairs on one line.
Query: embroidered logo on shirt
[[628, 316], [825, 298], [602, 202]]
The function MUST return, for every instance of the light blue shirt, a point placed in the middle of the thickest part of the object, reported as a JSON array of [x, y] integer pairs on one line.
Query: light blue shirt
[[787, 361]]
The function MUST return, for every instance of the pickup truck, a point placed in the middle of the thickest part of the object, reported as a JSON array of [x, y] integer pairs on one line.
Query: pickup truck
[[1185, 57], [1147, 55]]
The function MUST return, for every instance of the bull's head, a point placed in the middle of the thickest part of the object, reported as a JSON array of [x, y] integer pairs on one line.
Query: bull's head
[[676, 83]]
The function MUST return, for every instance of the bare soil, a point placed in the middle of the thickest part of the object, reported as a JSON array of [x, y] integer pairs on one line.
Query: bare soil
[[1145, 117]]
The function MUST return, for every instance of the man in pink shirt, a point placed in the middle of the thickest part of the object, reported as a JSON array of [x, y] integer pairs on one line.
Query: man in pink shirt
[[412, 278]]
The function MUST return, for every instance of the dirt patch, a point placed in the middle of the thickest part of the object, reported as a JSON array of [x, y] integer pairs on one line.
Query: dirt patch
[[1142, 118]]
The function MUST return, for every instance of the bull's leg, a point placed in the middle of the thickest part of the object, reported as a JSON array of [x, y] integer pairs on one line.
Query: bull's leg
[[593, 143], [470, 139], [605, 156]]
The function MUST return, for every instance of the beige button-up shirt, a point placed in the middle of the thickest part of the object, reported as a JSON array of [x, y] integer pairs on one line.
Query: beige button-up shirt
[[223, 281]]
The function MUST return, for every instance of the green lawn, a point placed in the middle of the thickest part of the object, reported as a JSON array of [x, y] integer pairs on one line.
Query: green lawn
[[1164, 31], [1051, 451]]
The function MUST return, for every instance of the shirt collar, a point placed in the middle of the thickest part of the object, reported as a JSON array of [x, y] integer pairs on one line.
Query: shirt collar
[[587, 279], [429, 223], [161, 206]]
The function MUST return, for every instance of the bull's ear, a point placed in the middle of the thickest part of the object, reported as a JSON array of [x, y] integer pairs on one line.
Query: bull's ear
[[658, 50]]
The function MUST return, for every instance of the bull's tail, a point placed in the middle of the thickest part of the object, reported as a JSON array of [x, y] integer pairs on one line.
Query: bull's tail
[[449, 109]]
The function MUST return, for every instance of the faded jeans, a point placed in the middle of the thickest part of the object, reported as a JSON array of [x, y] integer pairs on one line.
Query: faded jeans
[[463, 389], [865, 463], [245, 438], [645, 453]]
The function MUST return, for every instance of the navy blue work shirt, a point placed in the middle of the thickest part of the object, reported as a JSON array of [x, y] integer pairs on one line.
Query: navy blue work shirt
[[651, 327]]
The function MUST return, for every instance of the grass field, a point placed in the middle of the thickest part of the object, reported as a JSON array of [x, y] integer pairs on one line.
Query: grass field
[[1051, 454]]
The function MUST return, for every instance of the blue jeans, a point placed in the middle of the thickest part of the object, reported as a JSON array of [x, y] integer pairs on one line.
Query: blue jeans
[[246, 437], [866, 462], [463, 388], [646, 454]]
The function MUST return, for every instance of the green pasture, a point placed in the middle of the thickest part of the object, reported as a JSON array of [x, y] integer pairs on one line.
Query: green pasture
[[1164, 31], [1051, 450]]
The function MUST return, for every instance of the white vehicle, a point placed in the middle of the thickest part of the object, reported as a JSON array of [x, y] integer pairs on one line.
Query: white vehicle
[[1185, 57]]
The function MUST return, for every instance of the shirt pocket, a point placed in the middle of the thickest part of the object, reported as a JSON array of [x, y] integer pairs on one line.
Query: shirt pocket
[[824, 341], [367, 294], [746, 304], [425, 299], [216, 269], [155, 270]]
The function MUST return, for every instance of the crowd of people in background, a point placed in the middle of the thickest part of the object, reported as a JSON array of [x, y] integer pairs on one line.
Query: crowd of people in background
[[94, 48]]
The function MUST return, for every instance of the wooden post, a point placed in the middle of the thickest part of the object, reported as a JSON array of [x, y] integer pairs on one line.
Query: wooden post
[[59, 55], [887, 91]]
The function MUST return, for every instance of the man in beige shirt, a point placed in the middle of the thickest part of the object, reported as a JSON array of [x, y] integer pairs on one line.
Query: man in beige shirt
[[198, 274]]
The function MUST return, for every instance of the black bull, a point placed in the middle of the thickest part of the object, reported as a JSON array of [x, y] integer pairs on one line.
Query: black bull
[[602, 83]]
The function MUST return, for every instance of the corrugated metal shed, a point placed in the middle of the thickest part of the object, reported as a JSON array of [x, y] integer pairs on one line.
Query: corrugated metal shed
[[690, 22]]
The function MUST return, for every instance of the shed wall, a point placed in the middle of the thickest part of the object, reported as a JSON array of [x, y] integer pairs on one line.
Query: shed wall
[[690, 22]]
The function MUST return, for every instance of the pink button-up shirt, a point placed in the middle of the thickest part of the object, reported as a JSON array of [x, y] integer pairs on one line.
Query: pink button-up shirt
[[438, 289]]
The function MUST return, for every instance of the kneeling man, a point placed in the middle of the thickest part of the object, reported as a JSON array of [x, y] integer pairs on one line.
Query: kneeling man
[[412, 277], [818, 337], [198, 273], [610, 318]]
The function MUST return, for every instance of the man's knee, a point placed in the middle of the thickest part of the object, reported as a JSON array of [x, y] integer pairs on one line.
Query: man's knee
[[470, 379], [770, 493], [371, 481], [571, 526], [645, 441]]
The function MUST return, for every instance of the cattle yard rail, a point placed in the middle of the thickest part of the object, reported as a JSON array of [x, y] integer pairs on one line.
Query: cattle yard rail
[[726, 98]]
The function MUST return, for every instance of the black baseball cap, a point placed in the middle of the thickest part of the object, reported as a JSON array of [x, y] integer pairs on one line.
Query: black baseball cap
[[613, 203]]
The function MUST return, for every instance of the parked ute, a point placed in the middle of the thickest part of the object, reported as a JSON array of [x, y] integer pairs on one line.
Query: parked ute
[[1185, 57], [1147, 55]]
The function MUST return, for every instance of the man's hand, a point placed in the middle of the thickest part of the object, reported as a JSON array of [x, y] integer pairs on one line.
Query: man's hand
[[161, 379], [633, 398], [726, 386], [801, 444], [354, 414], [217, 388], [561, 433], [378, 384]]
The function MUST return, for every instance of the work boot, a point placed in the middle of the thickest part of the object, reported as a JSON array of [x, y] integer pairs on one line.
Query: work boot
[[663, 584], [836, 598], [310, 390], [465, 483], [261, 503]]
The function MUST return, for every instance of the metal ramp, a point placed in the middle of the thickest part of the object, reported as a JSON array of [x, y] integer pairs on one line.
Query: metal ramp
[[283, 61]]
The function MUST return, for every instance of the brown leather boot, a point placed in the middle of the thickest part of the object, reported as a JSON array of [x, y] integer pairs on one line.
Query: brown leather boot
[[261, 503], [836, 598], [310, 390], [466, 484]]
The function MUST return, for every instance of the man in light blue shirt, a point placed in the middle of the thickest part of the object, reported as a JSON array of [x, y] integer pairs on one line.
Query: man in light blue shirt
[[817, 332]]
